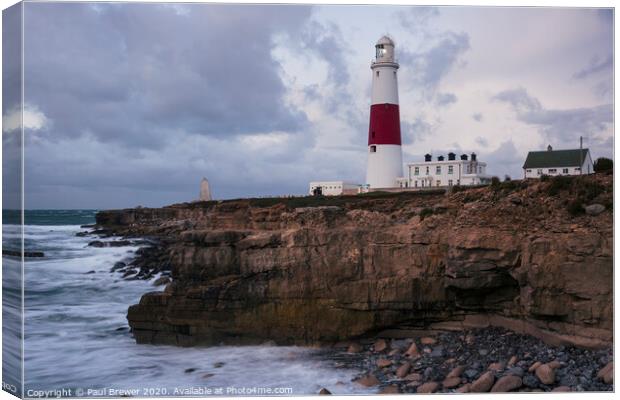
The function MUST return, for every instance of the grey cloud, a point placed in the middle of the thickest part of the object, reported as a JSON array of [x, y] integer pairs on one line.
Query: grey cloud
[[138, 73], [445, 99], [415, 19], [596, 65], [561, 127], [504, 160], [482, 141], [477, 117], [433, 64], [416, 130]]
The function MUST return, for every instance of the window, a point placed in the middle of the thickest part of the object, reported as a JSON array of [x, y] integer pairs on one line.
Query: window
[[552, 170], [479, 170], [449, 182], [577, 169], [373, 149], [427, 171], [438, 170], [450, 169], [539, 171], [380, 51], [377, 74], [422, 183], [416, 171], [438, 183], [416, 183], [565, 171], [529, 170]]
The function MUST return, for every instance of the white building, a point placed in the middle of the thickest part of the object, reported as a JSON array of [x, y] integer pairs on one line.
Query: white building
[[557, 162], [444, 172], [333, 188]]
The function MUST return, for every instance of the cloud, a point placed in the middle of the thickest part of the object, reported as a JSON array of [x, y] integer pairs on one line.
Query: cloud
[[415, 19], [445, 99], [477, 117], [207, 70], [596, 65], [413, 132], [34, 119], [559, 126], [505, 159], [432, 64], [480, 141]]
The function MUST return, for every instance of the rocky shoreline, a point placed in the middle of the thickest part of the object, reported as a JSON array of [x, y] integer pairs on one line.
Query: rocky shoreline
[[479, 360]]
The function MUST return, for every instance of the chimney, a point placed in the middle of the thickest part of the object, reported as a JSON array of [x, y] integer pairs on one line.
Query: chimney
[[427, 157], [451, 156], [440, 158], [464, 157], [549, 148], [473, 156]]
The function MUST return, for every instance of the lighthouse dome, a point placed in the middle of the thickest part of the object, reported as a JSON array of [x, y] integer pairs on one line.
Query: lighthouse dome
[[385, 40]]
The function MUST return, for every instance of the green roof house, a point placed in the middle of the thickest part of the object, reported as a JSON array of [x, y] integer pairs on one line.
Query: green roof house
[[557, 162]]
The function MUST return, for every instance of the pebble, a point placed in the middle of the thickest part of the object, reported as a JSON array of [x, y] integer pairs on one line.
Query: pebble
[[483, 352], [413, 377], [380, 345], [561, 389], [403, 370], [428, 387], [534, 366], [513, 360], [368, 380], [383, 362], [451, 382], [391, 389], [607, 373], [412, 351], [530, 381], [484, 383], [497, 366], [428, 341], [507, 384], [471, 373], [545, 374], [464, 389], [324, 392], [555, 364], [354, 348], [456, 372]]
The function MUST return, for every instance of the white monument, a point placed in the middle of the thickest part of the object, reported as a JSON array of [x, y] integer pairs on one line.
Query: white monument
[[205, 191]]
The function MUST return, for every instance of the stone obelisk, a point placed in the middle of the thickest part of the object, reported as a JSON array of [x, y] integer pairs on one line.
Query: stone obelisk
[[205, 191]]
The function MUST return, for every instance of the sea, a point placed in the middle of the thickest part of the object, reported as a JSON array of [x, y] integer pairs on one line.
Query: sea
[[77, 341]]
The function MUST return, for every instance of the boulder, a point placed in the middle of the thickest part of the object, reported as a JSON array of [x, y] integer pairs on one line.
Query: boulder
[[324, 392], [380, 345], [383, 363], [534, 366], [428, 387], [412, 351], [594, 209], [496, 366], [507, 384], [354, 348], [484, 383], [403, 370], [466, 388], [561, 389], [367, 380], [513, 360], [452, 382], [545, 374], [428, 341], [390, 389], [415, 377], [456, 372]]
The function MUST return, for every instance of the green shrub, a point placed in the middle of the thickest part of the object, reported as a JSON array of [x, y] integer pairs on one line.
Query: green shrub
[[589, 190], [603, 164], [544, 178]]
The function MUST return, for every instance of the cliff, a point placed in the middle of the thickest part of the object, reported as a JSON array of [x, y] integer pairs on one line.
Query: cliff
[[523, 255]]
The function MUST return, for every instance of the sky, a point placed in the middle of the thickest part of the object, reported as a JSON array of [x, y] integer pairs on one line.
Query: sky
[[132, 104]]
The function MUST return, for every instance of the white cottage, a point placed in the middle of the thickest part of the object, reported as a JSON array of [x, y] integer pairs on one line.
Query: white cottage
[[557, 162], [445, 172]]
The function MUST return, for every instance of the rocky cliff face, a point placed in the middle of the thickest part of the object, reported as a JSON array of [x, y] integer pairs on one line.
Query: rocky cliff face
[[307, 270]]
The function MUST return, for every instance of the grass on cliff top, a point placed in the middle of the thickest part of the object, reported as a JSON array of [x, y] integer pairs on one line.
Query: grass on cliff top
[[318, 201]]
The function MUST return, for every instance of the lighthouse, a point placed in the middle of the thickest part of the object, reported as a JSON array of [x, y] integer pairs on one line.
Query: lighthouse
[[385, 160]]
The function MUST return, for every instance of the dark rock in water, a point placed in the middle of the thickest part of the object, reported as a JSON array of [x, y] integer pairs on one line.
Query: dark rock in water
[[122, 329], [218, 364], [190, 370], [117, 266], [116, 243], [161, 281], [82, 234], [96, 243], [17, 253], [89, 272], [324, 392], [129, 272]]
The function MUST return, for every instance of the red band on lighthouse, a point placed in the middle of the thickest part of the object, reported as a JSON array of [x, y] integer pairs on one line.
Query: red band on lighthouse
[[384, 125]]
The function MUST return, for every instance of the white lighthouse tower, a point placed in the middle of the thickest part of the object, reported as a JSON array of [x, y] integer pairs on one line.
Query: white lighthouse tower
[[385, 160]]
